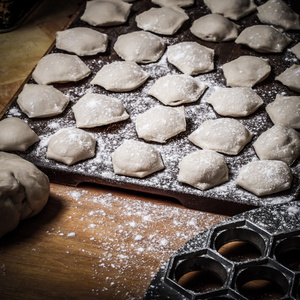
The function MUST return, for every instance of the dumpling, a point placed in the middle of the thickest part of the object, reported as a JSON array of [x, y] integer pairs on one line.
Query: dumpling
[[203, 169], [177, 89], [291, 78], [136, 159], [94, 110], [180, 3], [160, 123], [296, 50]]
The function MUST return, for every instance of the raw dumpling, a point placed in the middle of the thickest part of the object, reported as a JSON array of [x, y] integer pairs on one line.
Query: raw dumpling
[[246, 71], [70, 145], [278, 143], [16, 135], [180, 3], [191, 58], [41, 101], [265, 177], [96, 110], [140, 46], [177, 89], [203, 169], [136, 159], [81, 41], [120, 76], [291, 78], [296, 50], [234, 102], [160, 123], [60, 67], [223, 135]]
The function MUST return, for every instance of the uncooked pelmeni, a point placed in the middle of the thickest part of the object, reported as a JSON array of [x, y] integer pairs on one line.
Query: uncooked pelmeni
[[234, 102], [177, 89], [296, 50], [120, 76], [136, 159], [81, 41], [163, 20], [265, 177], [70, 145], [203, 169], [160, 123], [278, 143], [224, 135], [191, 58], [16, 135], [140, 46], [24, 191], [94, 110], [60, 67], [41, 101], [180, 3], [291, 78], [246, 71]]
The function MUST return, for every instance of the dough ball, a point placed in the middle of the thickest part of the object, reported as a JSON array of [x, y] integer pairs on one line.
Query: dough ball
[[136, 159], [203, 169], [120, 76], [140, 46], [265, 177], [177, 89], [24, 191], [163, 20], [246, 71], [215, 28], [234, 102], [70, 145], [59, 67], [180, 3], [94, 110], [291, 78], [16, 135], [41, 101], [160, 123], [223, 135], [81, 41], [191, 58], [278, 143], [296, 50]]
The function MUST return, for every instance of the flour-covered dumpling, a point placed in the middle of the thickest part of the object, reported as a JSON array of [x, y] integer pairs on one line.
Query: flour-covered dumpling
[[224, 135], [291, 78], [177, 89], [94, 110], [180, 3], [191, 58], [296, 50], [60, 67], [136, 159]]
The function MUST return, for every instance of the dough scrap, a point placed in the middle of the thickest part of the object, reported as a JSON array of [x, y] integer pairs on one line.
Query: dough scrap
[[176, 90], [224, 135], [291, 78], [180, 3], [136, 159], [203, 169], [16, 135], [296, 50]]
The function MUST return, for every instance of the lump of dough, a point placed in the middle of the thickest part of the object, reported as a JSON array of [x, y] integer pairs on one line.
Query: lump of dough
[[163, 20], [41, 101], [203, 169], [60, 67], [224, 135], [296, 50], [24, 191], [16, 135], [136, 159], [180, 3], [264, 39], [234, 102], [70, 145], [81, 41], [191, 58], [94, 110], [140, 46], [160, 123], [177, 89], [291, 78], [246, 71], [215, 28], [285, 110], [106, 12], [120, 76], [278, 143], [265, 177]]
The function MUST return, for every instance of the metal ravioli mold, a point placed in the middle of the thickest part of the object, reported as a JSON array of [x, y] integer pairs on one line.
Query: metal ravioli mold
[[254, 255]]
